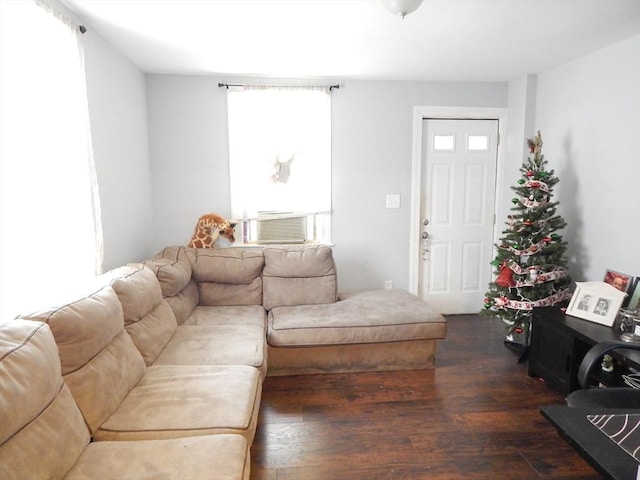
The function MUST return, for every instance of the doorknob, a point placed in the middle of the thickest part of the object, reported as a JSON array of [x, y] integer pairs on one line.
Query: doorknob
[[425, 235]]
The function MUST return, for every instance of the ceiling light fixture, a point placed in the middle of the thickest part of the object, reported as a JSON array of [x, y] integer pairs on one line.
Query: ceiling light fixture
[[401, 7]]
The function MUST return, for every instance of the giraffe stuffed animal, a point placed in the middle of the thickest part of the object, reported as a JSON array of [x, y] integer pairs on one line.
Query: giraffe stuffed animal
[[210, 226]]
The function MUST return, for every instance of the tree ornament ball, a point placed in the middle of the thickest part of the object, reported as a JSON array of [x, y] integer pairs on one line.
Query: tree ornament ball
[[515, 200], [530, 173], [522, 181]]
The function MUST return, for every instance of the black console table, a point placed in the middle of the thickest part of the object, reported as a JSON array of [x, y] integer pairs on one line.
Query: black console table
[[559, 342], [607, 458]]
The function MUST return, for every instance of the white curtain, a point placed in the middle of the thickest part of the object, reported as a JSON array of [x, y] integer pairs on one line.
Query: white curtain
[[279, 149], [50, 229]]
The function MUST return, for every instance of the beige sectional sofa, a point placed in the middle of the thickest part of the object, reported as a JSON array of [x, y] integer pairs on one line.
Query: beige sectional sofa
[[160, 364]]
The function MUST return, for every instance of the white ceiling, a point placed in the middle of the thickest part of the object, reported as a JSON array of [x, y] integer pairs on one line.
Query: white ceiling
[[448, 40]]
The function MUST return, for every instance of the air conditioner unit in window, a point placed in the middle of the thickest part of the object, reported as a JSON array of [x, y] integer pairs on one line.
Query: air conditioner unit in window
[[281, 230]]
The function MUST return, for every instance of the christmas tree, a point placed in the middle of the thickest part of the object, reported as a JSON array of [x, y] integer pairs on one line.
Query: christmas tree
[[530, 264]]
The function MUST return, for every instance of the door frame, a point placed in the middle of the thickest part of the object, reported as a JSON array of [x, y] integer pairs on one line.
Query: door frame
[[421, 113]]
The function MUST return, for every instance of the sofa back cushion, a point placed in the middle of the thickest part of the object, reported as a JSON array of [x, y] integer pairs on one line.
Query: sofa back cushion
[[298, 275], [173, 268], [99, 361], [42, 432], [147, 316], [172, 275], [229, 276]]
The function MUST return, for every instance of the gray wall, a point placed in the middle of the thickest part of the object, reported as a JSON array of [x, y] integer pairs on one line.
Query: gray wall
[[160, 143], [118, 113], [189, 154], [371, 150], [589, 113]]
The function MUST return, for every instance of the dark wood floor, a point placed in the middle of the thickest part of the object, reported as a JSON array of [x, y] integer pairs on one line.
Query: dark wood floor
[[474, 416]]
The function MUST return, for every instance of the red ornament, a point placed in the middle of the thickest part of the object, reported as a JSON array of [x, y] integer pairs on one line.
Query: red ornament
[[505, 279], [529, 174], [534, 184]]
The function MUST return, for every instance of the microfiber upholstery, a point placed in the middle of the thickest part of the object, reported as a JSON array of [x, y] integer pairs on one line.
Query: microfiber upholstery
[[43, 434], [223, 335], [100, 362], [174, 401], [172, 275], [359, 318], [121, 399], [35, 404], [173, 269], [229, 276], [147, 316], [210, 335], [211, 457], [299, 275]]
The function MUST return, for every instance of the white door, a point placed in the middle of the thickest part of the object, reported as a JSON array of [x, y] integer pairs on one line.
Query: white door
[[459, 159]]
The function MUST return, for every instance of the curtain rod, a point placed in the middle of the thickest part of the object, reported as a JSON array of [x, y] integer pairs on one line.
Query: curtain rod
[[227, 85], [54, 9]]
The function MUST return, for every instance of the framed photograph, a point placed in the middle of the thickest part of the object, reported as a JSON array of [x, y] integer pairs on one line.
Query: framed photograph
[[621, 281], [634, 302], [597, 302]]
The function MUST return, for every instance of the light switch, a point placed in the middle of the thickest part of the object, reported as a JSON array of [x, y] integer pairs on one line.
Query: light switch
[[393, 200]]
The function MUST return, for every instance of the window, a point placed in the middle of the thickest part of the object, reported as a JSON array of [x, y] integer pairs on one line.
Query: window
[[49, 215], [280, 163]]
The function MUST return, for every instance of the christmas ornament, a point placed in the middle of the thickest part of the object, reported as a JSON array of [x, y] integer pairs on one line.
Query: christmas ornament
[[505, 279]]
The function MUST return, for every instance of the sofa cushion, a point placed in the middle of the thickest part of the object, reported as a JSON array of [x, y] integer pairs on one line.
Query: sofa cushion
[[174, 401], [364, 317], [216, 345], [229, 276], [228, 315], [184, 302], [178, 253], [100, 362], [298, 275], [42, 432], [172, 275], [226, 335], [147, 316], [211, 457], [173, 268]]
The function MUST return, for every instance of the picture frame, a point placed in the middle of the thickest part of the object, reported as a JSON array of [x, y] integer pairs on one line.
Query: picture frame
[[634, 300], [597, 302], [621, 281]]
